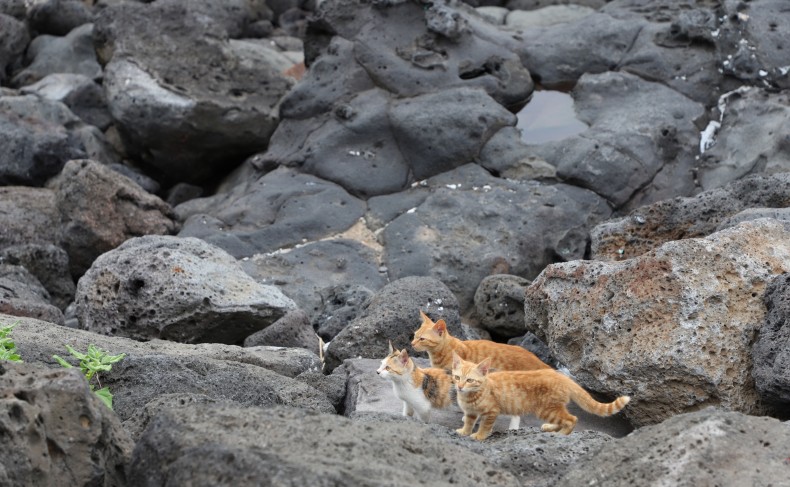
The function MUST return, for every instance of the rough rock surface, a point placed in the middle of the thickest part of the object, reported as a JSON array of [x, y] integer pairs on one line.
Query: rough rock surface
[[49, 264], [340, 305], [393, 314], [21, 294], [84, 97], [708, 447], [672, 328], [651, 226], [194, 104], [210, 445], [14, 38], [56, 431], [292, 330], [771, 351], [210, 298], [103, 209], [499, 304], [58, 17], [472, 221], [281, 209], [138, 422]]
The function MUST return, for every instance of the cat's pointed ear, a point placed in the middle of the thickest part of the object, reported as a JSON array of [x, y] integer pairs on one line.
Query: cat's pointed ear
[[456, 361], [440, 327], [484, 366], [404, 357], [425, 318], [392, 349]]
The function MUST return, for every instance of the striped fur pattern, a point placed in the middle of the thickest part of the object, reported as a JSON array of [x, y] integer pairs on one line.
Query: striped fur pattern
[[483, 395], [435, 339], [421, 390]]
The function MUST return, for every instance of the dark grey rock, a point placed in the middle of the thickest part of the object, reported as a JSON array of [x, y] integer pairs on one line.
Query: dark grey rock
[[14, 8], [471, 221], [651, 226], [781, 214], [307, 273], [145, 182], [499, 304], [708, 447], [207, 445], [641, 144], [14, 38], [49, 264], [281, 209], [771, 351], [183, 192], [333, 385], [535, 345], [37, 138], [84, 97], [393, 314], [138, 422], [28, 216], [102, 209], [535, 4], [21, 294], [752, 138], [58, 17], [340, 305], [196, 103], [506, 155], [180, 289], [56, 431], [72, 53], [292, 330]]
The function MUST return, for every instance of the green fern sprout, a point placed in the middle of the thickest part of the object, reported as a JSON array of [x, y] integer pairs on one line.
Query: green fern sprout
[[91, 363], [7, 346]]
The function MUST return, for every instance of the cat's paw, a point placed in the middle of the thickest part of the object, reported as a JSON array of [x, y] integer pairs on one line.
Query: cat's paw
[[461, 431], [479, 437], [550, 428]]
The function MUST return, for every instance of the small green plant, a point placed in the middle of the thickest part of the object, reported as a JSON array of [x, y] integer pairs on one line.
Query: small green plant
[[7, 346], [91, 363]]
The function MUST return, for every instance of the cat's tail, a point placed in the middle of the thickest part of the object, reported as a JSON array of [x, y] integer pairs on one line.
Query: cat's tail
[[586, 402]]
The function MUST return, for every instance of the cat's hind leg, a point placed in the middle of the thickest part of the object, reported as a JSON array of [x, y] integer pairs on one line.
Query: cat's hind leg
[[559, 420], [515, 422]]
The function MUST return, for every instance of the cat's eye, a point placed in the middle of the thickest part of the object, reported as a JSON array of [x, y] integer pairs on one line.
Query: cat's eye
[[469, 381], [456, 378], [421, 338], [387, 368]]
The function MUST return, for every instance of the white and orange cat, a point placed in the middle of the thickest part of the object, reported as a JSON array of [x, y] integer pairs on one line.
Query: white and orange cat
[[421, 390], [484, 395], [435, 339]]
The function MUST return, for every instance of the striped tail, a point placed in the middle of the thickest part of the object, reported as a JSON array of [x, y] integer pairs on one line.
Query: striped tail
[[586, 402]]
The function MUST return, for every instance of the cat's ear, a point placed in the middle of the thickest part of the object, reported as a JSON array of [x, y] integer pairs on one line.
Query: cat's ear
[[440, 327], [456, 361], [392, 349], [404, 357], [425, 318], [484, 366]]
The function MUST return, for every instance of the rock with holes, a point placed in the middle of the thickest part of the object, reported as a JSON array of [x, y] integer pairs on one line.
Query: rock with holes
[[340, 305], [49, 264], [292, 330], [771, 351], [708, 447], [180, 289], [650, 226], [101, 209], [28, 216], [672, 328], [222, 445], [197, 102], [278, 210], [471, 223], [393, 314], [56, 431], [499, 304]]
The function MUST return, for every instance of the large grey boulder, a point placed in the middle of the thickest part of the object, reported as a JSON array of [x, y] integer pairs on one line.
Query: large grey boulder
[[471, 221], [672, 328], [180, 289], [393, 314], [771, 351], [221, 445], [280, 210], [101, 209], [708, 447], [14, 38], [292, 330], [499, 304], [58, 17], [194, 104], [56, 431], [28, 216], [650, 226], [49, 264], [21, 294], [84, 97]]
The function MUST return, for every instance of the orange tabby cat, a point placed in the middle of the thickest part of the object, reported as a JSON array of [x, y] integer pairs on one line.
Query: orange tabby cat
[[420, 389], [436, 340], [484, 395]]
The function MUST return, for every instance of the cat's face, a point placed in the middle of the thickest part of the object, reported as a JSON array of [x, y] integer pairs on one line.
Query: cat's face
[[467, 376], [430, 335], [395, 365]]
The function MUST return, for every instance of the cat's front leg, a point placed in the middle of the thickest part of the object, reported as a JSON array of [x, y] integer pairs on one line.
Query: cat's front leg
[[425, 415], [515, 422], [486, 425], [407, 410], [469, 423]]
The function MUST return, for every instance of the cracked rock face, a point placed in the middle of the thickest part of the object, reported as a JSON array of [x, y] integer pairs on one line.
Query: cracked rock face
[[672, 328]]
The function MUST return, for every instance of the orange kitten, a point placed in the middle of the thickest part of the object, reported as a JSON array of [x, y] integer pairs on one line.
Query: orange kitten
[[484, 395], [436, 340], [419, 389]]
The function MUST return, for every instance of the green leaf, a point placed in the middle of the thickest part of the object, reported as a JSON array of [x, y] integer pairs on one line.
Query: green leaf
[[105, 396], [62, 362]]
